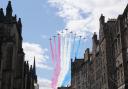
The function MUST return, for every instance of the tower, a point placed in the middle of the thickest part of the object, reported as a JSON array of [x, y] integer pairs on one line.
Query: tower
[[94, 43], [1, 15], [9, 9], [34, 71], [102, 23], [14, 71]]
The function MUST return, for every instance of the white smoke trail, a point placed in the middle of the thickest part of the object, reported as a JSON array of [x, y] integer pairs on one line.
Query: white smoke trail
[[62, 47], [69, 51], [73, 45], [62, 55], [65, 56], [64, 66]]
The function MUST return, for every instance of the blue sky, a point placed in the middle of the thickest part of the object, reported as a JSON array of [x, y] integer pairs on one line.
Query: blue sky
[[44, 18]]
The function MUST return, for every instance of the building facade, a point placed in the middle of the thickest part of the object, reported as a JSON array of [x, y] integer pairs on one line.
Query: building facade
[[15, 72], [106, 66]]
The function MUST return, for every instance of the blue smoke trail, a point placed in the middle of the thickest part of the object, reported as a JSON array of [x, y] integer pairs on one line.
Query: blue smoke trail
[[82, 47], [77, 51]]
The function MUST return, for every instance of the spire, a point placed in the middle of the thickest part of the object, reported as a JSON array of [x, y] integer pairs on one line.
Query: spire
[[19, 23], [9, 9], [34, 67], [94, 43], [1, 14], [102, 19], [34, 71], [19, 27], [27, 65], [15, 17], [31, 71], [94, 36]]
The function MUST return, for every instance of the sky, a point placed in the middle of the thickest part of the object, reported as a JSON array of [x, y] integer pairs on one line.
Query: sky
[[43, 19]]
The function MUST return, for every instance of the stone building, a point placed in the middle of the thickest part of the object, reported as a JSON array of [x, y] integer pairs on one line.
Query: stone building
[[15, 72], [106, 66], [76, 74], [120, 49]]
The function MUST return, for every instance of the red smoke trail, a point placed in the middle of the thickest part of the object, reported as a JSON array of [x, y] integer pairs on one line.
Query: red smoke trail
[[52, 53], [59, 43], [55, 76], [58, 66], [55, 54], [53, 84]]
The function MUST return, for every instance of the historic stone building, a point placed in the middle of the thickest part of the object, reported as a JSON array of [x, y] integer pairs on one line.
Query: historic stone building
[[106, 66], [15, 72], [98, 69], [80, 72], [120, 49], [76, 74]]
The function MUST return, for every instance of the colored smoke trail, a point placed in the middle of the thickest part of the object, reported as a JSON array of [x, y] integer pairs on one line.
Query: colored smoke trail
[[59, 48], [59, 60], [68, 39], [55, 52], [62, 46], [62, 57], [77, 51], [84, 46], [65, 65], [69, 51], [69, 55], [66, 48], [53, 84], [73, 47], [56, 75], [58, 63], [52, 53]]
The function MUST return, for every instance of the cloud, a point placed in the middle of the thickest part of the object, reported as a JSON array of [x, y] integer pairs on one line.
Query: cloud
[[82, 16], [33, 49], [44, 83]]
